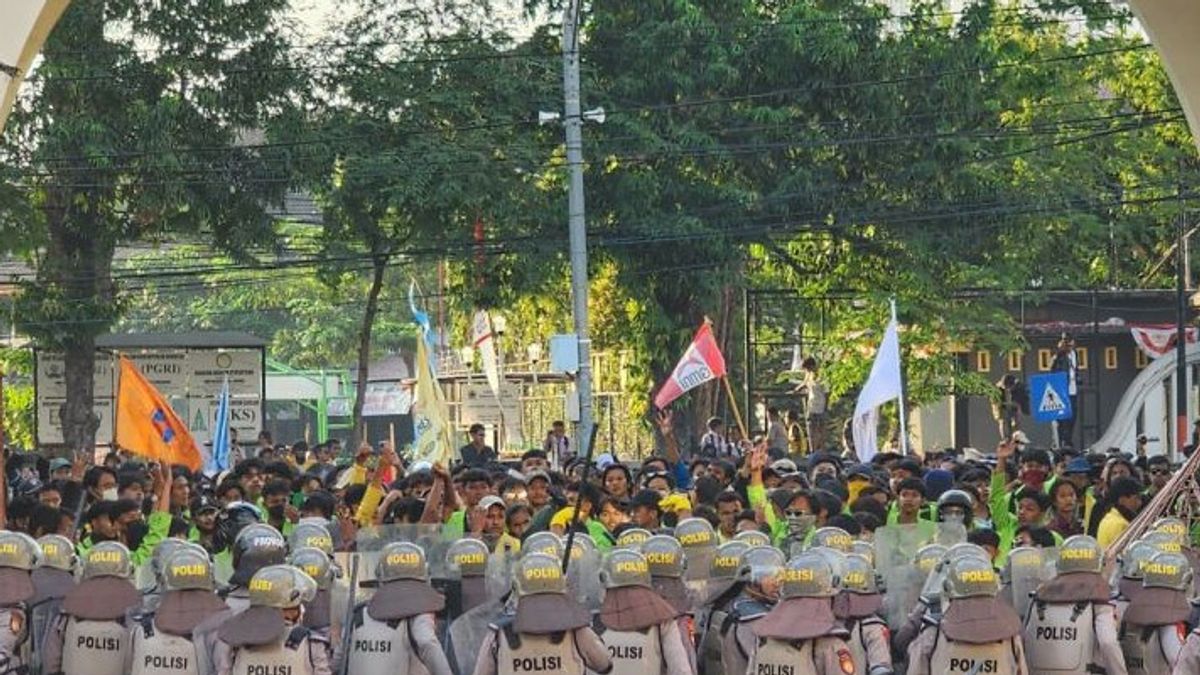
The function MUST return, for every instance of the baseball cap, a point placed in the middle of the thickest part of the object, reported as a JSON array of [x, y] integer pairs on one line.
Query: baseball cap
[[860, 471], [59, 463], [490, 501], [784, 467], [534, 475], [1078, 465]]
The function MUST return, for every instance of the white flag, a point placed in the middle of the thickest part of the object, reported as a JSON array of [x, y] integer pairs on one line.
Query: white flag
[[484, 342], [882, 386]]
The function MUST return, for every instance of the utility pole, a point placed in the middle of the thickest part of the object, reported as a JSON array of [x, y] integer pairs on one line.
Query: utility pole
[[573, 121], [1181, 369]]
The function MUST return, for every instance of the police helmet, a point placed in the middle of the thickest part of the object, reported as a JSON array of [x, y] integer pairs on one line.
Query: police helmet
[[232, 520], [695, 533], [759, 562], [1023, 562], [311, 535], [281, 586], [1134, 558], [1168, 570], [633, 537], [57, 553], [754, 538], [468, 557], [315, 563], [259, 541], [665, 556], [865, 549], [1172, 526], [970, 577], [187, 569], [107, 559], [833, 537], [1163, 541], [538, 573], [401, 560], [544, 542], [836, 559], [858, 575], [626, 567], [955, 503], [1080, 553], [927, 557], [727, 559], [162, 552], [808, 575], [18, 551]]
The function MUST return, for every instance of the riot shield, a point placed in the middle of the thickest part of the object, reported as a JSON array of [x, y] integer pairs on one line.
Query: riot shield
[[1023, 573], [896, 547], [583, 573], [370, 541], [466, 634]]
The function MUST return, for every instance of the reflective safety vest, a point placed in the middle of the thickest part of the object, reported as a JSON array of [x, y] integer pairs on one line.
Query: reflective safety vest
[[383, 647], [783, 657], [287, 656], [551, 654], [962, 658], [158, 653], [95, 647], [1060, 638], [635, 652]]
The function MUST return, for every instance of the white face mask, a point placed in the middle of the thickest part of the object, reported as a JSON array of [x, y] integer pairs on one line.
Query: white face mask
[[109, 495]]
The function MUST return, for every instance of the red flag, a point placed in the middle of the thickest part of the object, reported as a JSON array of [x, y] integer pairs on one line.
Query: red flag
[[702, 362]]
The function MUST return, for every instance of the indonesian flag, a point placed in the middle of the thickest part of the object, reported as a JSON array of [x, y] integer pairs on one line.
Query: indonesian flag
[[1158, 339], [702, 362]]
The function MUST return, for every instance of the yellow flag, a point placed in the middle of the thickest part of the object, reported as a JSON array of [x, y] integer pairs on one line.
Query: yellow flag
[[434, 443], [146, 424]]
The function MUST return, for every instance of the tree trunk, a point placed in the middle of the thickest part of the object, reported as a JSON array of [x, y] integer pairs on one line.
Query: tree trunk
[[379, 267], [77, 414]]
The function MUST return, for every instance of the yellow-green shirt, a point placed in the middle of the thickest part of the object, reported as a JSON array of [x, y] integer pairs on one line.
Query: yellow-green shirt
[[1111, 527]]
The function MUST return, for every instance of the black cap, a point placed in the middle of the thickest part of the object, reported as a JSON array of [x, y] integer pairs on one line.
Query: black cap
[[1124, 487], [648, 498]]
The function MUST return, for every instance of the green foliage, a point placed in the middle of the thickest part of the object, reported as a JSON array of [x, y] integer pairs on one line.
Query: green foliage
[[20, 410]]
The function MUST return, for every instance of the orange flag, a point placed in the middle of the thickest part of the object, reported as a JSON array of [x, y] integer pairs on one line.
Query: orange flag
[[146, 424]]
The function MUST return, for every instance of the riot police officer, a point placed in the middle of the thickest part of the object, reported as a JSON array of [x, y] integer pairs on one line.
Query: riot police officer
[[1189, 659], [928, 604], [154, 586], [977, 632], [256, 547], [1129, 586], [1070, 628], [549, 631], [667, 563], [759, 591], [269, 636], [162, 639], [53, 578], [858, 606], [91, 635], [833, 538], [1152, 626], [18, 555], [469, 559], [637, 625], [801, 635], [396, 631], [318, 613], [721, 589]]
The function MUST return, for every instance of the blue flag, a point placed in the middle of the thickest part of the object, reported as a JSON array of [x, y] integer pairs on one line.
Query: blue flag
[[218, 459]]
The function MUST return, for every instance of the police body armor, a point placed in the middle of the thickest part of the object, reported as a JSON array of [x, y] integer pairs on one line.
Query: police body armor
[[287, 656], [1060, 628], [780, 657], [991, 643], [1166, 579], [52, 578], [993, 658], [551, 653], [722, 569], [744, 610], [383, 647], [95, 647], [634, 652], [159, 653]]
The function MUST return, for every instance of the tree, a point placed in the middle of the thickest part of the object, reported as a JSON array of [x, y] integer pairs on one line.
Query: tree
[[406, 153], [137, 127]]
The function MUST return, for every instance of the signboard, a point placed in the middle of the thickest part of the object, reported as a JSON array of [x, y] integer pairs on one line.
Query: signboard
[[480, 405], [1050, 397], [189, 378]]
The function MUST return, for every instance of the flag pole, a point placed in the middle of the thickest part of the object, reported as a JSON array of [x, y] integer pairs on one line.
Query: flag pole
[[733, 405], [900, 400]]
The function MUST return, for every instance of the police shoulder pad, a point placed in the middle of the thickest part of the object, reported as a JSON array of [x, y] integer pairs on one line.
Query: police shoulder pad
[[298, 635]]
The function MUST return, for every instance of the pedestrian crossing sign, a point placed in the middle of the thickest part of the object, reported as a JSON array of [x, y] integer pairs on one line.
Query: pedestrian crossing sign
[[1051, 397]]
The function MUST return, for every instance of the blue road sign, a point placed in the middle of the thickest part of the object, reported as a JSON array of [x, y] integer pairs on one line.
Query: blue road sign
[[1050, 396]]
